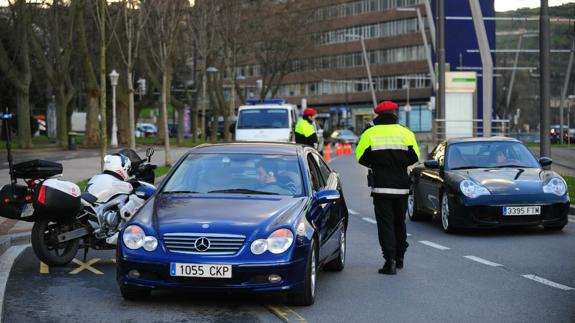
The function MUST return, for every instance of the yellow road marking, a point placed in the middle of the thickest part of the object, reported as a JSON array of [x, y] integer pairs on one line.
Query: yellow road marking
[[286, 314], [44, 269], [86, 265]]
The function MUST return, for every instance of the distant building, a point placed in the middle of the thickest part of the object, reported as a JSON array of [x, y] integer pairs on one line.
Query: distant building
[[332, 75]]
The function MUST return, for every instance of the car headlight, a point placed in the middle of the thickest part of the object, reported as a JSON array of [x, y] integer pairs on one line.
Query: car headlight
[[472, 189], [556, 186], [280, 240], [259, 246], [134, 238]]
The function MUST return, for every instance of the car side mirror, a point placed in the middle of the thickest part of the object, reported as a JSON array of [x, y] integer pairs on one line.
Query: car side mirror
[[545, 161], [433, 164], [327, 196]]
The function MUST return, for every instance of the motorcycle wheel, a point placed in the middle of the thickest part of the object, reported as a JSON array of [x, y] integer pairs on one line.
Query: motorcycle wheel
[[46, 246]]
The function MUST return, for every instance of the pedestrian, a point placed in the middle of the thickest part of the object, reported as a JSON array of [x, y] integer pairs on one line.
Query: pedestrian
[[387, 149], [304, 130]]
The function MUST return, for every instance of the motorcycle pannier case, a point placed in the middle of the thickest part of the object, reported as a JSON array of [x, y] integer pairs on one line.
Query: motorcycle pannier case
[[57, 199], [13, 203], [37, 169]]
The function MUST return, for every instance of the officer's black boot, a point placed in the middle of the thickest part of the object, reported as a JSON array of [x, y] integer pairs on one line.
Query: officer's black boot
[[399, 263], [389, 268]]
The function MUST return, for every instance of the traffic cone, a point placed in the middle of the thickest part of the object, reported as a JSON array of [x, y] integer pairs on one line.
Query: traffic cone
[[347, 149], [338, 149], [327, 153]]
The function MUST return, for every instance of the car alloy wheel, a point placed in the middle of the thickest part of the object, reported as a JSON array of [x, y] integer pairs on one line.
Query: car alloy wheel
[[445, 214], [342, 248], [313, 272], [410, 205], [338, 263]]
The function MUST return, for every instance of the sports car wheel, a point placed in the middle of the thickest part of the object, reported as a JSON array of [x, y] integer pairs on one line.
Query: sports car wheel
[[306, 296], [338, 263], [447, 226]]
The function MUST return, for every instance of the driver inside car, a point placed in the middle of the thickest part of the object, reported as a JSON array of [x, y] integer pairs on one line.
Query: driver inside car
[[266, 176]]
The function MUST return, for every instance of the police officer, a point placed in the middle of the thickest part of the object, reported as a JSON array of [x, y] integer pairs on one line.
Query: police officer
[[304, 130], [387, 148]]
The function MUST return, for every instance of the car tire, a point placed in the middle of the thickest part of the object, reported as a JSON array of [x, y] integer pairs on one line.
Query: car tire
[[306, 296], [445, 214], [412, 212], [553, 228], [338, 263], [134, 294]]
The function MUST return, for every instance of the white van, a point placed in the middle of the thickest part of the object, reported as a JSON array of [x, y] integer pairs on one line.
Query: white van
[[268, 120]]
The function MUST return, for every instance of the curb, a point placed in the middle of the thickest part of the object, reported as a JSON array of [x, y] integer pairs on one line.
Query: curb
[[572, 209], [12, 240]]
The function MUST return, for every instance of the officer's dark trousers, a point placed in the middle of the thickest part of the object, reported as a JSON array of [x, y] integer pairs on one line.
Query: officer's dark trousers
[[390, 216]]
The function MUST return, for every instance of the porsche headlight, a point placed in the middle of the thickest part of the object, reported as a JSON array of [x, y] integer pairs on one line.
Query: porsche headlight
[[472, 189], [556, 186], [134, 237], [280, 241]]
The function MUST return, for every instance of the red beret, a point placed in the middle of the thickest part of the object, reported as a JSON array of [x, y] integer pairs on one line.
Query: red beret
[[385, 106], [309, 112]]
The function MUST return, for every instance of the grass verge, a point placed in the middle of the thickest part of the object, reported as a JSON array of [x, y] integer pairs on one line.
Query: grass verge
[[571, 187]]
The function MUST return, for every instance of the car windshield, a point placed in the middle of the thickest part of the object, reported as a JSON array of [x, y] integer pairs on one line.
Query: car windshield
[[346, 133], [237, 174], [489, 154], [263, 118]]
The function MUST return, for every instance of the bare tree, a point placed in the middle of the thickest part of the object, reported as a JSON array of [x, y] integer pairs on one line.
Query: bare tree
[[133, 23], [166, 20], [15, 65], [53, 46]]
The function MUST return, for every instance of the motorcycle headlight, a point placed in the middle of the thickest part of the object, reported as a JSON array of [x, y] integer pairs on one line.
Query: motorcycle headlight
[[134, 237], [150, 243], [555, 186], [280, 241], [472, 190], [259, 246]]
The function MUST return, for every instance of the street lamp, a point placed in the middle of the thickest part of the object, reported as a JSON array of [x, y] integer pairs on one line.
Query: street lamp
[[373, 98], [210, 70], [114, 81], [407, 108]]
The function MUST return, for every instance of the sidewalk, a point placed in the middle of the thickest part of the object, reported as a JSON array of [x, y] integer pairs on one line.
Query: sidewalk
[[75, 170]]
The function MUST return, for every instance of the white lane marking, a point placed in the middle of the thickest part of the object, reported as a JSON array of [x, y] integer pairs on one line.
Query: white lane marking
[[408, 234], [370, 220], [352, 212], [434, 245], [548, 282], [6, 261], [571, 218], [483, 261]]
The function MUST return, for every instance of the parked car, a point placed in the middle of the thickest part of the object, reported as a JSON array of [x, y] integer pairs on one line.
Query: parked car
[[487, 182], [344, 136], [554, 133], [569, 136], [260, 217], [146, 130]]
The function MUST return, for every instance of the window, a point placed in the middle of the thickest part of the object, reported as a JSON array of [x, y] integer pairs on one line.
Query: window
[[315, 177]]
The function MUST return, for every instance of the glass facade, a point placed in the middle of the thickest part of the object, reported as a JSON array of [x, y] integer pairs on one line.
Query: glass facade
[[419, 118], [380, 30], [361, 85], [356, 8]]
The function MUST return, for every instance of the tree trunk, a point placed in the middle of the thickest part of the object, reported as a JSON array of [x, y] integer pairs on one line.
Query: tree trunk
[[62, 117], [92, 139], [131, 114], [103, 119], [24, 131], [195, 120], [181, 118], [165, 89]]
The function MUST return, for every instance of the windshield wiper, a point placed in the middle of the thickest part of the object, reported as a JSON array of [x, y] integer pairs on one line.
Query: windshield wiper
[[243, 191], [179, 192], [510, 166], [467, 167]]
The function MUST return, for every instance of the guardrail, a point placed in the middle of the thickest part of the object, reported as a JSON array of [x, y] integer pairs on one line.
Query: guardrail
[[447, 128]]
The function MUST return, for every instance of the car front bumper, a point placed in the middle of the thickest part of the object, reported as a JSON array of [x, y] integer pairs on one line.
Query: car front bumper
[[248, 276], [477, 215]]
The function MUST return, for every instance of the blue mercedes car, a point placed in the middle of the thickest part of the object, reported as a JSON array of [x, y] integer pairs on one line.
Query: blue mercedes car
[[262, 217]]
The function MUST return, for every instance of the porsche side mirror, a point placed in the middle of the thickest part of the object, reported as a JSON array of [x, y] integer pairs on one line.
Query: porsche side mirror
[[545, 161], [433, 164], [327, 196]]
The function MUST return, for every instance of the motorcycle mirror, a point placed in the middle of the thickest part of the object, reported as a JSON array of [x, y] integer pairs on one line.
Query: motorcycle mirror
[[149, 153]]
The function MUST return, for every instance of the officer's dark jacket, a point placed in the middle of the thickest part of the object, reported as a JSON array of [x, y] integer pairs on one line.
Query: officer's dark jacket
[[305, 133], [388, 148]]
